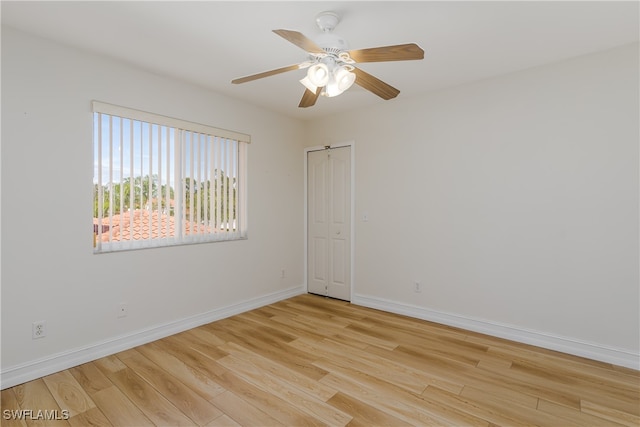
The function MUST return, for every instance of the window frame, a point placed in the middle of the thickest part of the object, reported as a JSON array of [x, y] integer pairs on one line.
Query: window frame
[[181, 129]]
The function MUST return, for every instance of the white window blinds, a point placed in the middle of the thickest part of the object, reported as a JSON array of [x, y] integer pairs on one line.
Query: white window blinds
[[160, 181]]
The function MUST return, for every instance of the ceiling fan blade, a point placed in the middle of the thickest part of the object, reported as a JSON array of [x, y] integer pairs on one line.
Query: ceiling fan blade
[[375, 85], [270, 73], [309, 98], [300, 40], [399, 52]]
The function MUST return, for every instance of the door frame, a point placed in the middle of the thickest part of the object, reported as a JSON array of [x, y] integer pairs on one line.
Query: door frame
[[352, 145]]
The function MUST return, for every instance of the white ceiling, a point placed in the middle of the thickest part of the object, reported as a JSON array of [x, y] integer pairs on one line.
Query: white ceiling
[[210, 42]]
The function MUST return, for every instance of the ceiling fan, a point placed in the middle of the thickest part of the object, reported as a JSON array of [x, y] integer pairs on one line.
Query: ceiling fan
[[331, 68]]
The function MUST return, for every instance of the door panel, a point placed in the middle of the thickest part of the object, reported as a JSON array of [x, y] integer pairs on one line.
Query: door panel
[[318, 226], [320, 260], [329, 221], [338, 197], [338, 273]]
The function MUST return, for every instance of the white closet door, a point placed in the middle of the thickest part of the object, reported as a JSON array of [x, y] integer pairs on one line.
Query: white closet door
[[329, 222]]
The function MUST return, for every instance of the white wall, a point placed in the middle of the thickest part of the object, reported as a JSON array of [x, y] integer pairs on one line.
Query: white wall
[[514, 201], [49, 271]]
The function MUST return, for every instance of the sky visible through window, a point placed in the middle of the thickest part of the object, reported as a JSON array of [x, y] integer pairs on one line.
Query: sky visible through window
[[130, 148]]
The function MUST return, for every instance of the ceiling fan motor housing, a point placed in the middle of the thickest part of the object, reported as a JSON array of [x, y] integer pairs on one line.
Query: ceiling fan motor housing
[[332, 43]]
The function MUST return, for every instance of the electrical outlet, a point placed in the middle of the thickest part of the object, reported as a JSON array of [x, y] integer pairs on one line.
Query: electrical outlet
[[38, 330], [123, 310], [416, 287], [282, 273]]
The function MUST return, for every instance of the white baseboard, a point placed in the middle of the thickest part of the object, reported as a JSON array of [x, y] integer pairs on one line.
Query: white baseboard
[[48, 365], [572, 346]]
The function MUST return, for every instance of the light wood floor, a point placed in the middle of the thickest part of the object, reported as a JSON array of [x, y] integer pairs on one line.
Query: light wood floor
[[312, 361]]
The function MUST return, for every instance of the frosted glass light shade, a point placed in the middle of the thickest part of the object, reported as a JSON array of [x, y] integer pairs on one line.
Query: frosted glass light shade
[[344, 78], [318, 74], [341, 80]]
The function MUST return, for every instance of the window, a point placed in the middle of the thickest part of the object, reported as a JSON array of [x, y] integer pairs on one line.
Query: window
[[160, 181]]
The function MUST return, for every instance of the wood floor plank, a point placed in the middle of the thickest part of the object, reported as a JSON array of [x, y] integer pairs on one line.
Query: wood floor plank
[[296, 360], [11, 415], [364, 337], [519, 352], [182, 397], [289, 325], [224, 330], [392, 397], [109, 364], [283, 411], [609, 413], [68, 393], [223, 421], [192, 341], [561, 389], [364, 415], [204, 385], [583, 384], [507, 396], [434, 377], [320, 326], [494, 364], [315, 361], [445, 369], [152, 403], [302, 326], [512, 409], [90, 418], [488, 413], [278, 370], [624, 371], [339, 311], [419, 328], [389, 402], [567, 415], [307, 403], [90, 378], [297, 307], [118, 409], [243, 412], [447, 348], [392, 372], [204, 336], [34, 396], [196, 360], [327, 307]]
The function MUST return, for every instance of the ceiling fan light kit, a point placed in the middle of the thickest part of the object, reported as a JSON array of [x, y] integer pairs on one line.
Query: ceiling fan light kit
[[330, 69], [334, 77]]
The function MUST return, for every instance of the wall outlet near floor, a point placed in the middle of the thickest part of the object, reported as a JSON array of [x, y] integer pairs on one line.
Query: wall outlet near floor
[[38, 329], [282, 273], [123, 310], [417, 287]]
